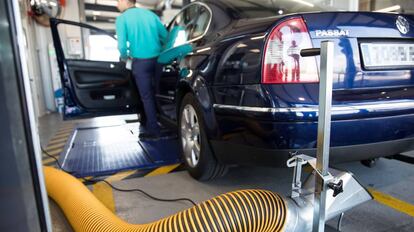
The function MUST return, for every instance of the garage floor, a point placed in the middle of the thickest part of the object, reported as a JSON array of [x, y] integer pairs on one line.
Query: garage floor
[[390, 181]]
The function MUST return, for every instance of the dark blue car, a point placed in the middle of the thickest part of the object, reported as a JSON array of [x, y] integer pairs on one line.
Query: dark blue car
[[238, 92]]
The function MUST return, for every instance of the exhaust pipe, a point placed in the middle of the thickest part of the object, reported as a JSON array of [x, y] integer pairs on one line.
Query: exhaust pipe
[[245, 210]]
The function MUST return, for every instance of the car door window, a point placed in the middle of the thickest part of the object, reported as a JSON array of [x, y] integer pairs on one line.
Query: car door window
[[87, 44], [188, 25], [201, 24], [177, 34]]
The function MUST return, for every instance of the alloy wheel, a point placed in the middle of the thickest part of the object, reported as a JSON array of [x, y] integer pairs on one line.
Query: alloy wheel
[[190, 136]]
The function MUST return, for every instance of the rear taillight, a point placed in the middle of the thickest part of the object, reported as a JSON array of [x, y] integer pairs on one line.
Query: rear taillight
[[282, 61]]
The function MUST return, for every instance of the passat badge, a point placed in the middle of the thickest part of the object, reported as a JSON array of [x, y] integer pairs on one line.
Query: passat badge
[[402, 25], [331, 33]]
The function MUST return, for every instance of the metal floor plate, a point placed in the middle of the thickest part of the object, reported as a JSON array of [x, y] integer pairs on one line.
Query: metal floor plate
[[107, 150]]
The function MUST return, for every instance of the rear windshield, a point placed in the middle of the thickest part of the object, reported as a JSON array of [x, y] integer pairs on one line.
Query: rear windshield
[[267, 8]]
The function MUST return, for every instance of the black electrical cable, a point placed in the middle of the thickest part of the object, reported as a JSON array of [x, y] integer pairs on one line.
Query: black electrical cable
[[56, 160], [149, 196], [92, 181]]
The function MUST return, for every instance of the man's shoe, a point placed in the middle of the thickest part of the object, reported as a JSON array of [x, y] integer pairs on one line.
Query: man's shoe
[[149, 137]]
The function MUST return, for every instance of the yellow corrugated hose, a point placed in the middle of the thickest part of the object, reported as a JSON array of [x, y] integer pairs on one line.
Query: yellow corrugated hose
[[244, 210]]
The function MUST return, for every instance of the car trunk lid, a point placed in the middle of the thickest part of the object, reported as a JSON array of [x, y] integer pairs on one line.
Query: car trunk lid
[[372, 50]]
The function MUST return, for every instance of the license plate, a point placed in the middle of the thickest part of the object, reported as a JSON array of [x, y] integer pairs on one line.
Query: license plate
[[387, 55]]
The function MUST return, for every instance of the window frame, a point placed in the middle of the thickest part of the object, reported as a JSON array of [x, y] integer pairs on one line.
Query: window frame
[[81, 27]]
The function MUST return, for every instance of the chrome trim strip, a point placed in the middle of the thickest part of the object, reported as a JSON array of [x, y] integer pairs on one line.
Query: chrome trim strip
[[393, 105], [165, 97]]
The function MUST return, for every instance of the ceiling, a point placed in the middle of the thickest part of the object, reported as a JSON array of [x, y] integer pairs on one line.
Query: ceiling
[[102, 13]]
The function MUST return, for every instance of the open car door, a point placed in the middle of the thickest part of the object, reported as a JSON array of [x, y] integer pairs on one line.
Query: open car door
[[94, 81]]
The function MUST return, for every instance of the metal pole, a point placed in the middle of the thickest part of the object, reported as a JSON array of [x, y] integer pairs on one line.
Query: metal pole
[[324, 134]]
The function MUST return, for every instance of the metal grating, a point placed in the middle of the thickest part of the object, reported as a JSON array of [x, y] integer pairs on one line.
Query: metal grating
[[107, 150]]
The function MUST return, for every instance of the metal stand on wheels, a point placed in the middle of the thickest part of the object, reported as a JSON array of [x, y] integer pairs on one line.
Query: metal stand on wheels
[[327, 193]]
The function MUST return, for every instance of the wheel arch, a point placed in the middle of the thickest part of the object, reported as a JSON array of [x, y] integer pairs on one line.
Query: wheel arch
[[200, 92], [182, 89]]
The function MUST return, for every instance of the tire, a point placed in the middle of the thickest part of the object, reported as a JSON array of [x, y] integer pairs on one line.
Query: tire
[[196, 152]]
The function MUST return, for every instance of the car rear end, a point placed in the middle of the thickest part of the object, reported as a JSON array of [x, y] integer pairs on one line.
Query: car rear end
[[373, 98]]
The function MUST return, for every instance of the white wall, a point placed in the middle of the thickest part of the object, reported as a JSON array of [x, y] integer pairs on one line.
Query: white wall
[[168, 15], [43, 38], [33, 66]]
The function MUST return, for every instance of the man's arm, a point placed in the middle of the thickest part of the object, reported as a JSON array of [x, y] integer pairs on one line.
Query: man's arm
[[122, 37], [163, 33]]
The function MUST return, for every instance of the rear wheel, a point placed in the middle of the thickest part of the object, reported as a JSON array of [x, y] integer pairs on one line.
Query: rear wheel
[[196, 151]]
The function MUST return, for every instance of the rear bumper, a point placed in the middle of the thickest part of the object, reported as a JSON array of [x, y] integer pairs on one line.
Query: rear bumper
[[251, 155], [268, 142]]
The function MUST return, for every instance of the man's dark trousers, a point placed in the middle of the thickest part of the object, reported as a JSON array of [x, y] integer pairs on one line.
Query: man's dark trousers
[[147, 73]]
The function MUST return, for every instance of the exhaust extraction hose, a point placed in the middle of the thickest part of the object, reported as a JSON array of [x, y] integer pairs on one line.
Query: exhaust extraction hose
[[245, 210]]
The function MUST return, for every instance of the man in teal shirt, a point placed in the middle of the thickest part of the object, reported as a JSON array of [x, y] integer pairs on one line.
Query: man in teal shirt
[[141, 36]]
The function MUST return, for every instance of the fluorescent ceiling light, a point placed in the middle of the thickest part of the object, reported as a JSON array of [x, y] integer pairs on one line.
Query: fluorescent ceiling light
[[390, 9], [105, 2], [204, 50], [304, 2]]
